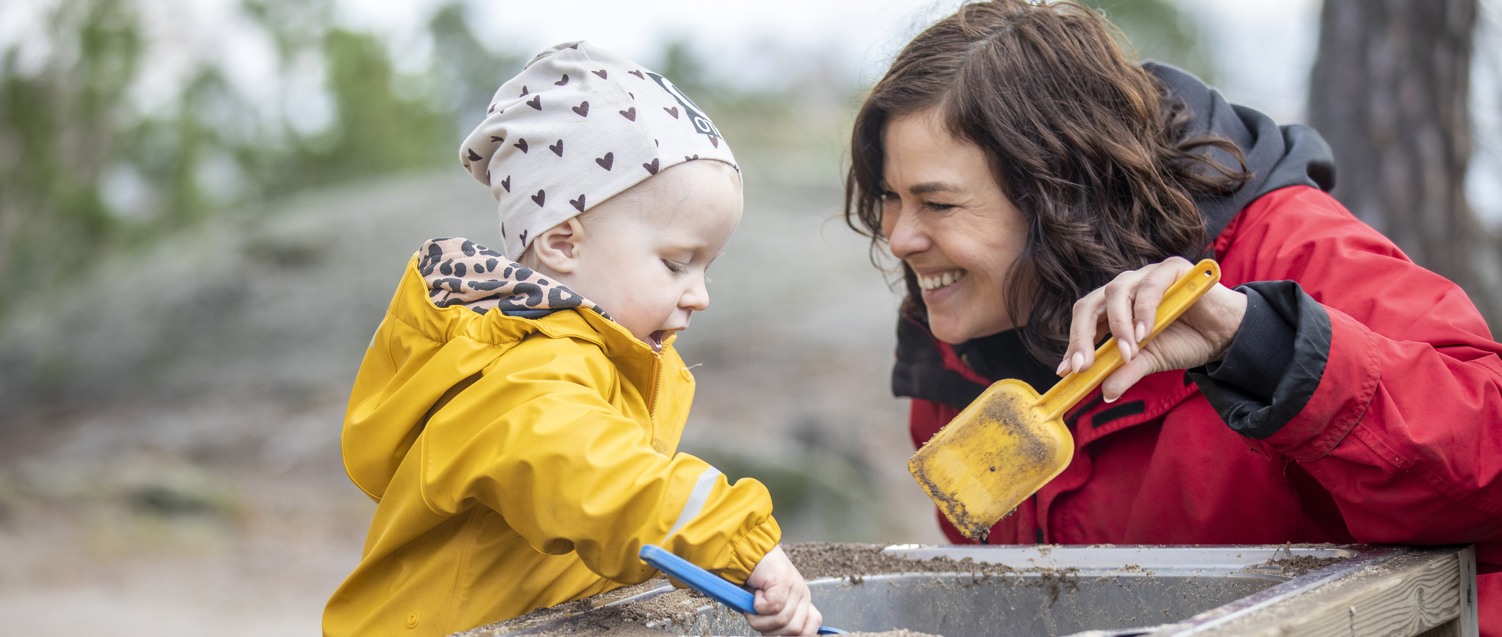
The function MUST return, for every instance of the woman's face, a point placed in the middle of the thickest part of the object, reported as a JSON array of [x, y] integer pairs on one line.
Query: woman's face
[[946, 217]]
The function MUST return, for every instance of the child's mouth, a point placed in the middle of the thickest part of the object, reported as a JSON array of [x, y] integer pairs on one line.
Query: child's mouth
[[655, 340]]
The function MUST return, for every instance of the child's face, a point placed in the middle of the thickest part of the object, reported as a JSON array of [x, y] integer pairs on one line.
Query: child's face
[[644, 253]]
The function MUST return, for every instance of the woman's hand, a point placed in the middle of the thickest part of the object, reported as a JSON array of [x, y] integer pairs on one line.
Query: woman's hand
[[1126, 307], [783, 603]]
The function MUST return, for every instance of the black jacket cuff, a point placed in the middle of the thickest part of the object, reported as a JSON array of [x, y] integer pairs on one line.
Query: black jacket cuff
[[1274, 363]]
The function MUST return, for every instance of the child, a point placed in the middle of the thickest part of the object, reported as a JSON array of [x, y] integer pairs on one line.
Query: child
[[517, 421]]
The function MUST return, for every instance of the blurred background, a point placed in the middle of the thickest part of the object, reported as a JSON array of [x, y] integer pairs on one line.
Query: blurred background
[[205, 206]]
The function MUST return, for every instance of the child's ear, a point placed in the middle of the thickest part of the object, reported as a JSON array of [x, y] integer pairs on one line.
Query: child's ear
[[558, 246]]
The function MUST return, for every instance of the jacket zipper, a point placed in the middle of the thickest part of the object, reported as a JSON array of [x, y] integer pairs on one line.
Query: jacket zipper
[[654, 390]]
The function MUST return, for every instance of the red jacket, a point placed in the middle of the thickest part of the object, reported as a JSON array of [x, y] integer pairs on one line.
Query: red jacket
[[1363, 397]]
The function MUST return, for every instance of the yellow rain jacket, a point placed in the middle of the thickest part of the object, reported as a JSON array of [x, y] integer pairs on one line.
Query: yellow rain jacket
[[520, 462]]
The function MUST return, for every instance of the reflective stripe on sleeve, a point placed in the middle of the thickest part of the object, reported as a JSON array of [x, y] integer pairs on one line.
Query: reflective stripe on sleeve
[[696, 500]]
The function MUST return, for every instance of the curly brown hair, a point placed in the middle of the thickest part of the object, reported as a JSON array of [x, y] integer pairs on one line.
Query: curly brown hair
[[1083, 141]]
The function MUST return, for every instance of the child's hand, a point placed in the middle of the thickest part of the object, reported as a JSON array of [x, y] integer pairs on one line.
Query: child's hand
[[783, 604]]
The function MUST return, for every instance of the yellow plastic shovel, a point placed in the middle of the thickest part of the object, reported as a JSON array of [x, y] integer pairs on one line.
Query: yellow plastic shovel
[[1010, 441]]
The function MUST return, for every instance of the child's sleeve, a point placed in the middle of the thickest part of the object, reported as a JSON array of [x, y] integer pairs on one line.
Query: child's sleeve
[[538, 442]]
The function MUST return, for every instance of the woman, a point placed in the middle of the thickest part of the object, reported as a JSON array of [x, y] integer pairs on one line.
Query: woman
[[1042, 191]]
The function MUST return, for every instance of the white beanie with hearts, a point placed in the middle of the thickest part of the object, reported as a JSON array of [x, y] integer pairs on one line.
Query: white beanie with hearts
[[577, 126]]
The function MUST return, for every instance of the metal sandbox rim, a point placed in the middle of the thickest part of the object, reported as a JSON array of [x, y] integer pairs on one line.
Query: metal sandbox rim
[[1120, 560], [1104, 560]]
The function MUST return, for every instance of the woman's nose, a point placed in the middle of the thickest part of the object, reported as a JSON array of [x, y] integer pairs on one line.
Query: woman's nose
[[905, 237]]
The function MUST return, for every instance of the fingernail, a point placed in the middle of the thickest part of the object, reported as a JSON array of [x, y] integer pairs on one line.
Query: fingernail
[[1126, 350], [1077, 362], [1063, 365], [1141, 330], [1109, 399]]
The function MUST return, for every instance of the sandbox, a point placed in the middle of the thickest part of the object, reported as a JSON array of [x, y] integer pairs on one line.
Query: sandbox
[[1092, 591]]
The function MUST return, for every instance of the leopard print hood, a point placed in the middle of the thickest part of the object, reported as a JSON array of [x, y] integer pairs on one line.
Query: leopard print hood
[[461, 272]]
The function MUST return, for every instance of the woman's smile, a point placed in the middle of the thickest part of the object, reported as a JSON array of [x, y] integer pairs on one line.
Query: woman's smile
[[940, 280]]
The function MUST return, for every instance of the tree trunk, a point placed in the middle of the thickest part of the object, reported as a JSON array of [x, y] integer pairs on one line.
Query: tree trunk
[[1390, 91]]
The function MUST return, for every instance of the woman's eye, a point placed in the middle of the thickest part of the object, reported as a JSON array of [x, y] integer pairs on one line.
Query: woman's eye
[[936, 205]]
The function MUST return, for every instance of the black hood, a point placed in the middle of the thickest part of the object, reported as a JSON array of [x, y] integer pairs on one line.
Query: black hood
[[1276, 157]]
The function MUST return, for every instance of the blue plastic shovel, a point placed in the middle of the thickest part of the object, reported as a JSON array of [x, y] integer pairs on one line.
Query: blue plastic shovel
[[718, 588]]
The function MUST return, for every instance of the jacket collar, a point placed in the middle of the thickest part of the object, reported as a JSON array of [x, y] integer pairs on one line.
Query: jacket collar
[[458, 271], [445, 300]]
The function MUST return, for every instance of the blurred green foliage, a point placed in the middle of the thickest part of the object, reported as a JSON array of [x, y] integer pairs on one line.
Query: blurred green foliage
[[85, 168], [59, 129]]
